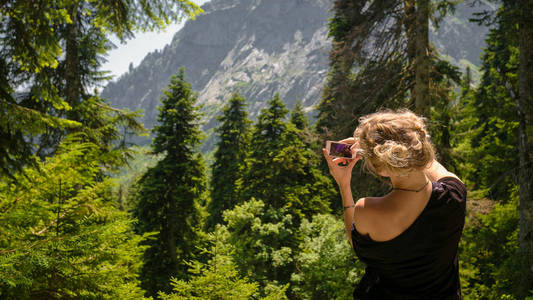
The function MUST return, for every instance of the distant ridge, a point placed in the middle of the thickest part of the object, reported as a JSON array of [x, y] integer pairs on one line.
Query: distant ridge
[[258, 48]]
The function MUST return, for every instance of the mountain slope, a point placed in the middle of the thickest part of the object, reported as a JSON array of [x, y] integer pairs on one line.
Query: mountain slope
[[258, 48]]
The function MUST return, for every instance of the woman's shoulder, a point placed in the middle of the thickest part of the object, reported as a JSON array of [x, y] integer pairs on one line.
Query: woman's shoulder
[[452, 186], [367, 211], [368, 205]]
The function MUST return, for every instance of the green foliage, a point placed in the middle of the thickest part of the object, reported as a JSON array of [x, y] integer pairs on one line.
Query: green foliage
[[218, 278], [488, 160], [62, 235], [282, 174], [488, 150], [298, 117], [50, 57], [129, 175], [263, 240], [230, 155], [177, 133], [445, 78], [282, 169], [169, 195], [489, 249], [325, 263]]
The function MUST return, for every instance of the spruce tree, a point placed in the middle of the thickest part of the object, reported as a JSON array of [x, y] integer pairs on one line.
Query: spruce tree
[[169, 194], [62, 236], [298, 117], [488, 117], [50, 59], [364, 79], [282, 168], [283, 175], [505, 98], [230, 155], [262, 179], [488, 145]]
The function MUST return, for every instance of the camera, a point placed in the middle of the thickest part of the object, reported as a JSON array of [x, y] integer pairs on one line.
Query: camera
[[341, 150]]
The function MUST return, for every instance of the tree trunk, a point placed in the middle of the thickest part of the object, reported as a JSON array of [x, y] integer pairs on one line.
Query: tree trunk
[[421, 90], [524, 104], [410, 33], [445, 145], [72, 62], [172, 224]]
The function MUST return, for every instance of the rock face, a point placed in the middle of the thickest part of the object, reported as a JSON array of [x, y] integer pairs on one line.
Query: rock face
[[256, 48]]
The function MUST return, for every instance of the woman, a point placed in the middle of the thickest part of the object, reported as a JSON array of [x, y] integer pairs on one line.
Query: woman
[[408, 239]]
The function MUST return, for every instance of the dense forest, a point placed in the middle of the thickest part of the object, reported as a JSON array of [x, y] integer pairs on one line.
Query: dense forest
[[261, 219]]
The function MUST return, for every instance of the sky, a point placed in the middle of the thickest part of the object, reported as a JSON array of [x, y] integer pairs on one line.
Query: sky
[[118, 60]]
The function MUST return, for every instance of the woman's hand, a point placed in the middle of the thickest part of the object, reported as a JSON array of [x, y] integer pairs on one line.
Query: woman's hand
[[342, 173]]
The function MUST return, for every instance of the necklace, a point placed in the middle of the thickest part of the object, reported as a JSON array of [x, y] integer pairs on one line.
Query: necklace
[[408, 190]]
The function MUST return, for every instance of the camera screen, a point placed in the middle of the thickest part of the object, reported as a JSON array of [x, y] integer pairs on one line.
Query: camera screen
[[340, 150]]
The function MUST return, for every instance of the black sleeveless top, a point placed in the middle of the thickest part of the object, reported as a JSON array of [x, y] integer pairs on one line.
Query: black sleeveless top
[[421, 262]]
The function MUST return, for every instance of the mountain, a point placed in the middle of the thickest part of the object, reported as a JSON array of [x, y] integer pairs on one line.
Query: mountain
[[258, 48]]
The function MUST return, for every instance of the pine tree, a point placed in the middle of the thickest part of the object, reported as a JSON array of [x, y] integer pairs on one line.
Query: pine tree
[[298, 117], [230, 155], [488, 118], [363, 79], [262, 179], [62, 235], [218, 278], [169, 195], [283, 175], [420, 91], [489, 146], [53, 52]]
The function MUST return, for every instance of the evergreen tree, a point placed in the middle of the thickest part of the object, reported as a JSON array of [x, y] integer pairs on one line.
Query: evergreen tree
[[218, 278], [325, 261], [298, 117], [50, 53], [262, 179], [489, 160], [61, 235], [444, 110], [230, 154], [488, 119], [363, 78], [420, 91], [169, 195], [488, 248], [282, 169], [283, 175]]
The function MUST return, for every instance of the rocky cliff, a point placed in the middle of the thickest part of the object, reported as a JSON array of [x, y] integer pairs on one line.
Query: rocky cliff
[[258, 48]]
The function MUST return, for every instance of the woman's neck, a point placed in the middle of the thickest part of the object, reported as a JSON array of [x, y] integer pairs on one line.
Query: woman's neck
[[414, 181]]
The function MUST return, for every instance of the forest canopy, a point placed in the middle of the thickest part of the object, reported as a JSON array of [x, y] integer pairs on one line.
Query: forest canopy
[[85, 214]]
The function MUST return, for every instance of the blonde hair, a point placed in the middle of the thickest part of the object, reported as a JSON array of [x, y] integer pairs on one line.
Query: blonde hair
[[394, 141]]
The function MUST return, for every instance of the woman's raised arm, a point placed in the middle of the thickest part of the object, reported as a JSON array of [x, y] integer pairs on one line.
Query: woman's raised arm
[[343, 176]]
